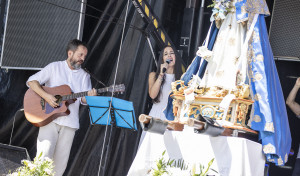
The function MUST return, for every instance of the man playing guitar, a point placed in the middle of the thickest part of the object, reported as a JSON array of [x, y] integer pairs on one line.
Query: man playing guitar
[[55, 139]]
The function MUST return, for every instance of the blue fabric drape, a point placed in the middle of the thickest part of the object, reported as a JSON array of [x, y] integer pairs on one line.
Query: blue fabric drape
[[270, 116]]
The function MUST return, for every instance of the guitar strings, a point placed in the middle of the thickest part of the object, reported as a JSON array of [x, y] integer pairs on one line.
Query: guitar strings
[[112, 94]]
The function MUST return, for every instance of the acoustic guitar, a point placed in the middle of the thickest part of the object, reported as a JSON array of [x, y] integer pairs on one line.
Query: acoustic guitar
[[40, 113]]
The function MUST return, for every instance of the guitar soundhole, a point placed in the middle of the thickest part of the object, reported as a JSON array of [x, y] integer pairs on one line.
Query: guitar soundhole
[[50, 109]]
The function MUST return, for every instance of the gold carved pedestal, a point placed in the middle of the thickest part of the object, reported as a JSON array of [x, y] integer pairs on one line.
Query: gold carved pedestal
[[209, 107]]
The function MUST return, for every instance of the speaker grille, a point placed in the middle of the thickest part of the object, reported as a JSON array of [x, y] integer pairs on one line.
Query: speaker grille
[[284, 30], [37, 32], [11, 157]]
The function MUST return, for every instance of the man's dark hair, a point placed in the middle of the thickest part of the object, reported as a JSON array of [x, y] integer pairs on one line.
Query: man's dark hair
[[73, 45]]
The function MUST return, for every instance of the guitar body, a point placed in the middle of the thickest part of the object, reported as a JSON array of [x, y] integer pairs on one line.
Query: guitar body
[[39, 112]]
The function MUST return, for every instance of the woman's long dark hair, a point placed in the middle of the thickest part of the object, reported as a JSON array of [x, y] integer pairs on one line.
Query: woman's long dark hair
[[177, 70]]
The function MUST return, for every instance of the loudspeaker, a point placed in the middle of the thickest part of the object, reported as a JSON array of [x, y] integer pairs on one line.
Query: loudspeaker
[[37, 32], [11, 157], [284, 29]]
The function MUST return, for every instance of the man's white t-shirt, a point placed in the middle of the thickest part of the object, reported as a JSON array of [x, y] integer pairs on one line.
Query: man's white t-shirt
[[59, 73]]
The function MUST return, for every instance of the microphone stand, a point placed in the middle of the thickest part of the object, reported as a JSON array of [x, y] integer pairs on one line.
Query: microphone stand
[[93, 76]]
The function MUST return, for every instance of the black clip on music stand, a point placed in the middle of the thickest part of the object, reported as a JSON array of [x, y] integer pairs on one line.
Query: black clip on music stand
[[111, 111]]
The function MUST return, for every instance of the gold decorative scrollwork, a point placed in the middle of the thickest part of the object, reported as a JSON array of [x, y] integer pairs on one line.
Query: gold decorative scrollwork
[[178, 87], [212, 111], [194, 111], [242, 112], [176, 108]]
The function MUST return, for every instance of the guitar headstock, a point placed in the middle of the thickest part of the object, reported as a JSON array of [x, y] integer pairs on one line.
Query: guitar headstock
[[120, 88]]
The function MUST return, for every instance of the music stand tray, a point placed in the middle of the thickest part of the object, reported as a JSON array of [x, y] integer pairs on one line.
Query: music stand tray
[[121, 113]]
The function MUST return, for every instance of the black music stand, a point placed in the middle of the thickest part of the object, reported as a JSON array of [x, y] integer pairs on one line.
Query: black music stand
[[111, 111]]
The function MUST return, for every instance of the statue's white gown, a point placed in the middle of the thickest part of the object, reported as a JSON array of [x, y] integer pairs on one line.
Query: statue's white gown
[[222, 66]]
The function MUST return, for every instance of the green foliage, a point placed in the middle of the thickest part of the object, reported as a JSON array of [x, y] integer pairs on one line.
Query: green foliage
[[212, 5], [202, 168], [164, 167], [180, 164], [39, 167]]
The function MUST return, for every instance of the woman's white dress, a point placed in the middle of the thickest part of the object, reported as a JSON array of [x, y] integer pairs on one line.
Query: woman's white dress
[[158, 108]]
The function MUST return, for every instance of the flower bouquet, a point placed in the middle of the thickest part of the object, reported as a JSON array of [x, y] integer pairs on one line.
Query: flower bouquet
[[178, 168], [38, 167], [220, 9]]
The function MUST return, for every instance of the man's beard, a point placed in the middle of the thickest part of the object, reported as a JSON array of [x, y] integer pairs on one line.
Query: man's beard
[[74, 64]]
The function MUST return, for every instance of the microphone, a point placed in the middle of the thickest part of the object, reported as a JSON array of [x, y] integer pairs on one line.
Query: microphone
[[167, 61]]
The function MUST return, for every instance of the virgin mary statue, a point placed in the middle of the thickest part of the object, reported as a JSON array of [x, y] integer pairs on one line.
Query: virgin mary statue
[[242, 55]]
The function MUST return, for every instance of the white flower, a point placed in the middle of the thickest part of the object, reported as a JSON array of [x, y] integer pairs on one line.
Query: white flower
[[227, 4], [47, 159], [25, 162], [48, 171], [31, 166]]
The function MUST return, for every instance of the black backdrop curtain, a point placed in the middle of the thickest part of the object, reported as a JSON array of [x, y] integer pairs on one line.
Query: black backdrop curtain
[[134, 65], [103, 35]]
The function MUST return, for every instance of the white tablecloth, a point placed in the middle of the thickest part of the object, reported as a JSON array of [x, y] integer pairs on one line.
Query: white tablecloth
[[233, 156]]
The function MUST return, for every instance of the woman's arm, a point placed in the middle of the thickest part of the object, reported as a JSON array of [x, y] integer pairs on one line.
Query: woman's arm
[[290, 101], [154, 84]]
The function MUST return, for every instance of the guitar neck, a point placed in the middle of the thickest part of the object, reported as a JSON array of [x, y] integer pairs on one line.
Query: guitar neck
[[82, 94]]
